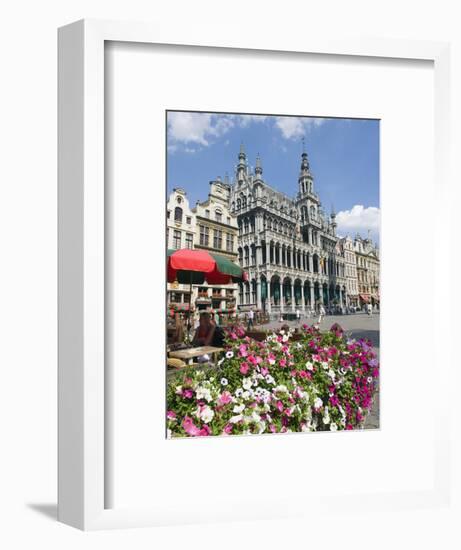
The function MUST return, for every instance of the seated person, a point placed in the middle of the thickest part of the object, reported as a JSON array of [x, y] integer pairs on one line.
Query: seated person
[[178, 335], [205, 331]]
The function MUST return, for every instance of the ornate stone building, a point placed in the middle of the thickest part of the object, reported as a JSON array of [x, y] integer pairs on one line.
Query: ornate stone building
[[287, 245], [180, 233], [352, 288], [216, 232], [367, 258]]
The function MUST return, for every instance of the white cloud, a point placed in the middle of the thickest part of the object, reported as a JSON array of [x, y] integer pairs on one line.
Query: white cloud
[[358, 219], [189, 127], [203, 128], [295, 127], [245, 120]]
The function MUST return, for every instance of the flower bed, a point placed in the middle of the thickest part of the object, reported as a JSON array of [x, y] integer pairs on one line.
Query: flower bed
[[316, 382]]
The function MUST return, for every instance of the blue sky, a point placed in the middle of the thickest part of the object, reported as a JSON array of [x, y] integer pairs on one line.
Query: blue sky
[[343, 156]]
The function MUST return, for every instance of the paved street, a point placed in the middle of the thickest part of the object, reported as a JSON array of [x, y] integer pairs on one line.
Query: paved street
[[358, 325]]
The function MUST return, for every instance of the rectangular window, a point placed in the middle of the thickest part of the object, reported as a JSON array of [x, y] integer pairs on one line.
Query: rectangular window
[[189, 240], [188, 220], [168, 214], [229, 242], [218, 216], [177, 239], [207, 213], [228, 220], [204, 233], [217, 241]]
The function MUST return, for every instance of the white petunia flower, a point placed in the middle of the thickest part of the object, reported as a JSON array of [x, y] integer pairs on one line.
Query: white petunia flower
[[229, 354], [281, 389], [246, 384], [178, 390], [238, 408], [369, 379], [207, 414], [325, 365], [309, 365], [270, 379], [333, 427], [235, 419], [318, 403], [224, 382], [239, 392], [203, 393]]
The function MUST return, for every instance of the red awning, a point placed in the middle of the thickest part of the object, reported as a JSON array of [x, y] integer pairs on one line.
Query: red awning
[[364, 297]]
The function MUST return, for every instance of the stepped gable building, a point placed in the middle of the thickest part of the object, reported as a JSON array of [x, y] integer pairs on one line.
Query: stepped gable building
[[180, 233], [287, 245], [216, 232], [367, 258], [346, 245]]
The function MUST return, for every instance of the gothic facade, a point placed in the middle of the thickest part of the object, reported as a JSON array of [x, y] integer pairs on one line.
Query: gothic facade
[[288, 246]]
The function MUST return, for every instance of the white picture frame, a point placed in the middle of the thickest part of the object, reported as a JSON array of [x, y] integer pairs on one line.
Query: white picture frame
[[82, 480]]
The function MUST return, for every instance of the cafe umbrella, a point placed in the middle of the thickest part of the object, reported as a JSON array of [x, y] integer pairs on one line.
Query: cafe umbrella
[[194, 267]]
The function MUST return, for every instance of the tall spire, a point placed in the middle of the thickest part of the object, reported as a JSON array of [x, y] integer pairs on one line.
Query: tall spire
[[242, 155], [305, 176], [258, 167], [241, 166]]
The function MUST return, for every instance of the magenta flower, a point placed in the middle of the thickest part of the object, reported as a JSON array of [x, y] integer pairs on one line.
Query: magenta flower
[[244, 368], [171, 415], [189, 427], [188, 394], [204, 431], [279, 406], [227, 429], [243, 350], [283, 362]]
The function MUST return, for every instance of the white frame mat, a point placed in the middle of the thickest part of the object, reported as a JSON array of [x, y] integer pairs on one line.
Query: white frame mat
[[83, 487]]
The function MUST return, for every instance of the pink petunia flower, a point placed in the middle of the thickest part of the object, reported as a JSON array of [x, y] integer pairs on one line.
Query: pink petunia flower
[[225, 398], [244, 368], [189, 427], [171, 415]]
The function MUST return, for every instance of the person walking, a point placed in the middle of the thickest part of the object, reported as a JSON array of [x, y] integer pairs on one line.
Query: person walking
[[321, 313], [298, 315], [251, 316]]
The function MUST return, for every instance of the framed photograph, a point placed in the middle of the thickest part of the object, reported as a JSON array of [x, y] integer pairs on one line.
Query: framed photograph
[[237, 221]]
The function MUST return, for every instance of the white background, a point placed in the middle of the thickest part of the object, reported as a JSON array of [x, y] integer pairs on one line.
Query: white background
[[28, 275]]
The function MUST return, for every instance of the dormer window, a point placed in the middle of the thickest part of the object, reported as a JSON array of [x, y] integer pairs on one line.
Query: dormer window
[[178, 214], [218, 215]]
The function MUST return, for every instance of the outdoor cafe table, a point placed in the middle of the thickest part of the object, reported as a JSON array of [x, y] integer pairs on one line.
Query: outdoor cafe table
[[189, 354]]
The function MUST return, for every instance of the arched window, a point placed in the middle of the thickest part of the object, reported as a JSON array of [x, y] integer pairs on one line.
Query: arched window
[[312, 212], [244, 202], [178, 214]]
